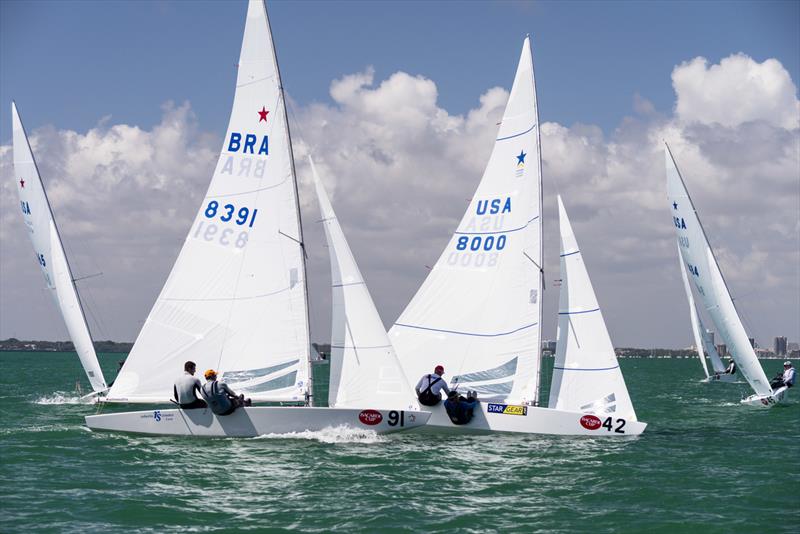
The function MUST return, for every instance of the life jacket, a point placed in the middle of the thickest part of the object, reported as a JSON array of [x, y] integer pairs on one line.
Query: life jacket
[[216, 398], [426, 396]]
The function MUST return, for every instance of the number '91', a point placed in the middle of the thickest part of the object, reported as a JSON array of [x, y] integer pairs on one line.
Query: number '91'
[[227, 212]]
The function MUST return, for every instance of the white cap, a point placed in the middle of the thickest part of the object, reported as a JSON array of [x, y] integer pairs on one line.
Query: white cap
[[787, 362]]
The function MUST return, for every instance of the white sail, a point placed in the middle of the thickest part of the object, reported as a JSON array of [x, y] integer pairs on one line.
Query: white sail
[[478, 312], [49, 251], [364, 367], [711, 350], [586, 373], [694, 318], [707, 279], [236, 298]]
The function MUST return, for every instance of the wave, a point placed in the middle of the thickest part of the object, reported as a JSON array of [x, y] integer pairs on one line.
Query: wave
[[338, 434], [60, 397]]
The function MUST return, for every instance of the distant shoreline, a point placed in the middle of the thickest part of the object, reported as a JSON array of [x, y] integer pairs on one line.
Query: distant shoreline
[[16, 345]]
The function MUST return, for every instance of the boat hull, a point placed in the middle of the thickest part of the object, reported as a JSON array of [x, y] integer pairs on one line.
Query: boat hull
[[495, 417], [711, 379], [779, 396], [255, 421]]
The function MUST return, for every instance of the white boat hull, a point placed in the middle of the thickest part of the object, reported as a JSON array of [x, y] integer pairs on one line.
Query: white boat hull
[[778, 396], [496, 417], [719, 378], [255, 421]]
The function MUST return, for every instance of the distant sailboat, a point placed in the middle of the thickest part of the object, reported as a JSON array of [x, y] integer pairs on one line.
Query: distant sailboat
[[236, 299], [701, 264], [38, 217], [478, 312], [702, 342]]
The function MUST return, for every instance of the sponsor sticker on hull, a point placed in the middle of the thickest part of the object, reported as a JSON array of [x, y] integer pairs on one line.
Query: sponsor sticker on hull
[[370, 417], [590, 422], [507, 409]]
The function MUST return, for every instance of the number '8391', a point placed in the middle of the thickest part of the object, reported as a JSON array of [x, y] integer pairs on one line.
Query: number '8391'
[[228, 211]]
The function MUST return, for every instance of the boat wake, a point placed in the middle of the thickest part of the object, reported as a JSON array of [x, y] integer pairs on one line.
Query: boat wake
[[60, 397], [339, 434]]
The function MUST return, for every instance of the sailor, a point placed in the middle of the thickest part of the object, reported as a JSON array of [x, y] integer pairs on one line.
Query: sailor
[[460, 409], [429, 388], [222, 399], [186, 388], [787, 378], [731, 369]]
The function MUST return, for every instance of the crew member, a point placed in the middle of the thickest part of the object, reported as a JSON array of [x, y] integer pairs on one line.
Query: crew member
[[731, 369], [186, 388], [460, 409], [787, 378], [222, 399], [429, 388]]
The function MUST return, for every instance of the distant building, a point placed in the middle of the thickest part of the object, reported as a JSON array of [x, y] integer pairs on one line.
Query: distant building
[[722, 350], [710, 336], [752, 341], [794, 354], [792, 346], [780, 346], [549, 346]]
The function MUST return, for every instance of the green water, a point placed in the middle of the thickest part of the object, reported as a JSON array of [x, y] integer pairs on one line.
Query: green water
[[705, 464]]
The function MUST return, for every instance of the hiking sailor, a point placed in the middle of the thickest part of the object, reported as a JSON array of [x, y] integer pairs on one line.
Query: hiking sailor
[[220, 396], [786, 379], [459, 409], [429, 388], [186, 388], [731, 369]]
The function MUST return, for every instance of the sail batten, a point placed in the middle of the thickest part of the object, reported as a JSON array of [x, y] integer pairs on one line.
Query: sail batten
[[38, 217], [236, 298]]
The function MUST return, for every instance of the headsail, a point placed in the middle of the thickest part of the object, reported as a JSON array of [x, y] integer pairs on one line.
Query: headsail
[[49, 251], [236, 298], [586, 373], [478, 312], [364, 367], [694, 318], [707, 278]]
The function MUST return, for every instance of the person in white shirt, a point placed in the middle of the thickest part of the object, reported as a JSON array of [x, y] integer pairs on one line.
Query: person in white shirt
[[429, 388], [186, 388], [787, 379]]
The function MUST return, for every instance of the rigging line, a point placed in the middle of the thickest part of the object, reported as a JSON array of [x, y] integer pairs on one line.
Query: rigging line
[[87, 277]]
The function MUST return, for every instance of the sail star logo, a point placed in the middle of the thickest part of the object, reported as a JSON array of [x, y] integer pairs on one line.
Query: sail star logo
[[262, 115], [520, 163], [22, 183]]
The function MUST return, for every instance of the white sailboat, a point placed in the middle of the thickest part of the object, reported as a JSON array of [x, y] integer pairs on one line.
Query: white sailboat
[[478, 312], [701, 264], [50, 255], [236, 299], [702, 341]]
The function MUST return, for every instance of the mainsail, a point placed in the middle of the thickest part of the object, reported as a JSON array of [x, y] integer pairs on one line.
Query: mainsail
[[586, 373], [707, 278], [478, 312], [49, 251], [364, 367], [236, 298]]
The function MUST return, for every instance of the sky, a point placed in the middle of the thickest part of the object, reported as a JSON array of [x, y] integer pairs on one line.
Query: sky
[[126, 104]]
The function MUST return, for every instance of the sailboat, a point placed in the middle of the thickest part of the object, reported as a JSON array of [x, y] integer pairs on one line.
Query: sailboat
[[706, 276], [702, 340], [236, 299], [49, 251], [478, 312]]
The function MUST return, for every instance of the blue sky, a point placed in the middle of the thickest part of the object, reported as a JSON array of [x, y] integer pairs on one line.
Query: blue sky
[[70, 63], [91, 80]]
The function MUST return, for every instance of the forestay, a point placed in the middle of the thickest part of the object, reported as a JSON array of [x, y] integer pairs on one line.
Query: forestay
[[364, 367], [707, 278], [236, 298], [49, 251], [478, 312], [586, 373]]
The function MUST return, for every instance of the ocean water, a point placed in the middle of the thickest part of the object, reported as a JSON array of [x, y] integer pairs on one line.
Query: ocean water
[[705, 464]]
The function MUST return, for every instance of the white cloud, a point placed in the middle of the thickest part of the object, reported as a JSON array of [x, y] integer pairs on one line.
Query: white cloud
[[735, 91], [400, 170]]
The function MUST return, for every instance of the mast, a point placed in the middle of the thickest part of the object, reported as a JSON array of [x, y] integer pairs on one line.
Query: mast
[[310, 387], [537, 384]]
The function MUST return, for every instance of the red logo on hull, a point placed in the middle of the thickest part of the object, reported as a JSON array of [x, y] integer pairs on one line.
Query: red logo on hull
[[372, 417], [590, 422]]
